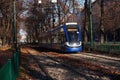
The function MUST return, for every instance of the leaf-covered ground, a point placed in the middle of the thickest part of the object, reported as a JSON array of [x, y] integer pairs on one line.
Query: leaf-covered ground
[[5, 54]]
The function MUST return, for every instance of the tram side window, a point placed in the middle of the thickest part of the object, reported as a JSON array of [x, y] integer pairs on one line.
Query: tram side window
[[62, 36], [55, 37], [58, 36]]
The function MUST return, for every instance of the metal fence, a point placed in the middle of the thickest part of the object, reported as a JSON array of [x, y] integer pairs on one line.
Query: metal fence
[[106, 47], [10, 70]]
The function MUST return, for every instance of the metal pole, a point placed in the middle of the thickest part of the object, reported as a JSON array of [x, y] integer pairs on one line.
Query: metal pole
[[53, 15], [73, 6], [14, 25], [91, 26], [101, 22]]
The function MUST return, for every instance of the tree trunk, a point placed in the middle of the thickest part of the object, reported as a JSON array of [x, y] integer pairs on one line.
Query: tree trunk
[[85, 26], [2, 40]]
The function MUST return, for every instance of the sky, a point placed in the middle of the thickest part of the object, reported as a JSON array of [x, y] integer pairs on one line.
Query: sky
[[23, 35], [81, 2]]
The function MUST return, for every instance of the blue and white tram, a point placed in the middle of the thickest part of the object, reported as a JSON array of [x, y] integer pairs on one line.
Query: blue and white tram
[[66, 38]]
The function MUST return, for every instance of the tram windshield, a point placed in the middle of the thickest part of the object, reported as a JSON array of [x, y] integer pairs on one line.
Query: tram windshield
[[73, 34]]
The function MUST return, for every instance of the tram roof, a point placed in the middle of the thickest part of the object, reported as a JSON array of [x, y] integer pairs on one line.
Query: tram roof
[[71, 23]]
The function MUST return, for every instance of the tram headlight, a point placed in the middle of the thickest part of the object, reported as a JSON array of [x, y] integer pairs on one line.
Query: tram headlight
[[80, 43], [73, 44], [67, 43]]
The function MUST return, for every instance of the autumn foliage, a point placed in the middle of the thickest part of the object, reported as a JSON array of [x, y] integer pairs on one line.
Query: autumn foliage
[[110, 19]]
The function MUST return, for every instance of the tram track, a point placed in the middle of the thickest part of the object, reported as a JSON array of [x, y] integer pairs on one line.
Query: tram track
[[38, 65], [68, 66], [90, 63], [74, 64], [101, 59], [101, 56]]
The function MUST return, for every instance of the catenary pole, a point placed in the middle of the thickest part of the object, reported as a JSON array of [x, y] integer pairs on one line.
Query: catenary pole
[[14, 25], [90, 23]]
